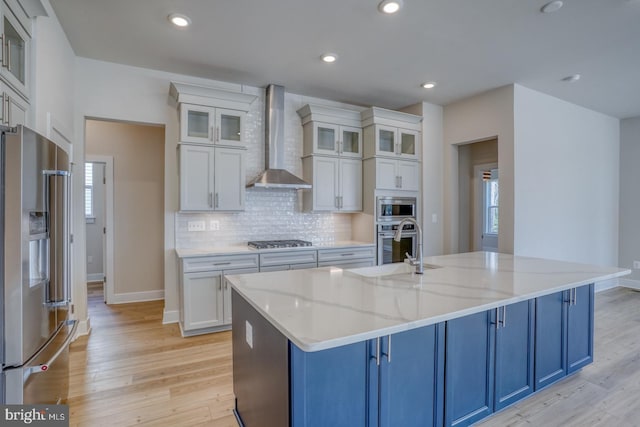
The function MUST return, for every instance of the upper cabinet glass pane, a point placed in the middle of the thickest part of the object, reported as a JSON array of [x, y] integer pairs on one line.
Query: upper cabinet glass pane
[[350, 141], [230, 127], [198, 124], [15, 47], [386, 140], [408, 143], [326, 138]]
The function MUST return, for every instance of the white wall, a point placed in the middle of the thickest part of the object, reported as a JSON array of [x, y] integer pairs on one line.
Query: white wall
[[630, 195], [485, 116], [566, 180], [95, 226], [432, 175]]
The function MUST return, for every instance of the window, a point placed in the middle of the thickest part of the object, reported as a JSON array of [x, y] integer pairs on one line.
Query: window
[[88, 190], [491, 196]]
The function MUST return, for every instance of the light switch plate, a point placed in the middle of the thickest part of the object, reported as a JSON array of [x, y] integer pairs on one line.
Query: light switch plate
[[636, 264], [214, 225], [249, 333]]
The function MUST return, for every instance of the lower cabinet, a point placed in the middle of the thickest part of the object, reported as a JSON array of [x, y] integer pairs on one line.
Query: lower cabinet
[[489, 362], [347, 257], [205, 295], [393, 380], [564, 334]]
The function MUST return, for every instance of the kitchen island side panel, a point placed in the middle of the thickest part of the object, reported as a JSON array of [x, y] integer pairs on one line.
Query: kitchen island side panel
[[260, 368]]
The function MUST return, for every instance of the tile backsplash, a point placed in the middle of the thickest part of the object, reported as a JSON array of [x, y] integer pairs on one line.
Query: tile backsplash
[[269, 213]]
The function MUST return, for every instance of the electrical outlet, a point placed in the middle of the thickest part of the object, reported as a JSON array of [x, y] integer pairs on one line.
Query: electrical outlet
[[249, 333], [214, 225], [636, 264], [195, 226]]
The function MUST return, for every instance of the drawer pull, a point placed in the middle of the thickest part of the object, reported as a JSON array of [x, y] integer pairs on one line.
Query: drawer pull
[[351, 254], [221, 263]]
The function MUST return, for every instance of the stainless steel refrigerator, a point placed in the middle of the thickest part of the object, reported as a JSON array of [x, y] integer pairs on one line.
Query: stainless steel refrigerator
[[34, 268]]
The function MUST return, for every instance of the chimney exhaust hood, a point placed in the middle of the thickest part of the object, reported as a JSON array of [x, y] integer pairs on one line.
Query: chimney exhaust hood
[[275, 176]]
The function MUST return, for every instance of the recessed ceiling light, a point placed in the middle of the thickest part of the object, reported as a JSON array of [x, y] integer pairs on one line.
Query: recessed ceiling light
[[389, 6], [551, 7], [329, 57], [429, 85], [572, 78], [179, 20]]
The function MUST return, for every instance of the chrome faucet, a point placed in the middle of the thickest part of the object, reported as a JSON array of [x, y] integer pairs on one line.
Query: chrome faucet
[[417, 260]]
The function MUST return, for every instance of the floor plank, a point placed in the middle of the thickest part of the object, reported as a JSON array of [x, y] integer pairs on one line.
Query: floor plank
[[132, 370]]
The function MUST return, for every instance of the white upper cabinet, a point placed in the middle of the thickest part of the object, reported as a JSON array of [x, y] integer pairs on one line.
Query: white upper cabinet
[[337, 184], [331, 131], [389, 133], [211, 116], [207, 125], [14, 108], [15, 42]]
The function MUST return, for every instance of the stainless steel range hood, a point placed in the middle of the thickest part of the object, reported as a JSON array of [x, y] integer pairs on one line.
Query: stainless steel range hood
[[275, 176]]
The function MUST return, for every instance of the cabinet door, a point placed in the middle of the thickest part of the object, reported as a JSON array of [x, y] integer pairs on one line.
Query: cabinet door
[[13, 108], [350, 142], [469, 371], [229, 126], [325, 183], [15, 45], [196, 124], [550, 357], [580, 328], [408, 144], [350, 184], [325, 138], [196, 178], [203, 300], [409, 175], [386, 174], [386, 140], [514, 352], [229, 180], [411, 378], [329, 387], [227, 291]]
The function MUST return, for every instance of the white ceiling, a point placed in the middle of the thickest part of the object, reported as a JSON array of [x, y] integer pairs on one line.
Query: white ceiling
[[467, 46]]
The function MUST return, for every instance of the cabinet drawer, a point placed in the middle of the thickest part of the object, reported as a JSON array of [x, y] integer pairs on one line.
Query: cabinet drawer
[[348, 264], [223, 262], [289, 257], [344, 254]]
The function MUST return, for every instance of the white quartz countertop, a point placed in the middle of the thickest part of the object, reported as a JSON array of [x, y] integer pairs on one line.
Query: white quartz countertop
[[242, 248], [322, 308]]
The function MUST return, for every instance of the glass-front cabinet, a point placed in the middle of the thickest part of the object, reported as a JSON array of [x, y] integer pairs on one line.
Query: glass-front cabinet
[[392, 141], [208, 125], [15, 40], [338, 140]]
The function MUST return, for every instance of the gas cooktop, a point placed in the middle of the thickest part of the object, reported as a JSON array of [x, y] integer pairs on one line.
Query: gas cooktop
[[268, 244]]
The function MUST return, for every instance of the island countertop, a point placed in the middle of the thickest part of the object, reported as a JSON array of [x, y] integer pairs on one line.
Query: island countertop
[[322, 308]]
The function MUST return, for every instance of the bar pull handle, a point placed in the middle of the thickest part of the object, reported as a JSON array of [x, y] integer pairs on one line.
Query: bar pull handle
[[44, 367], [216, 200], [210, 200], [378, 351], [2, 52], [504, 316], [211, 133], [497, 318], [8, 55], [389, 350], [575, 296]]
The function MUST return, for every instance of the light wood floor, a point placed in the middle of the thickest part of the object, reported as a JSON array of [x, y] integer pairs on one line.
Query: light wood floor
[[132, 370]]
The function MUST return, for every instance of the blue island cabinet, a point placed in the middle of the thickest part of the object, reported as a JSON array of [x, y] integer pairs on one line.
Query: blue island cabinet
[[564, 333], [489, 362], [388, 381]]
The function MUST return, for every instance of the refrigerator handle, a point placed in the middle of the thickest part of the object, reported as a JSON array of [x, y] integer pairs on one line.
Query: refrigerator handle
[[44, 367], [64, 299]]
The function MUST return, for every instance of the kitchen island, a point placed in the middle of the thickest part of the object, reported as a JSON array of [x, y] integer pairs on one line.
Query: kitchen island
[[368, 346]]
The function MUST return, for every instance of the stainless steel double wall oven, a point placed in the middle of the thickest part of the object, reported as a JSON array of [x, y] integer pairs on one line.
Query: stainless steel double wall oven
[[389, 212]]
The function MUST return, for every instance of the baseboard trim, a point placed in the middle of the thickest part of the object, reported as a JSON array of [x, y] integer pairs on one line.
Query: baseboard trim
[[630, 283], [170, 316], [137, 297], [84, 328], [607, 284], [95, 277]]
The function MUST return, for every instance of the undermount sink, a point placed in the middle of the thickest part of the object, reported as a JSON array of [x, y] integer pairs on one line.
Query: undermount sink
[[389, 269]]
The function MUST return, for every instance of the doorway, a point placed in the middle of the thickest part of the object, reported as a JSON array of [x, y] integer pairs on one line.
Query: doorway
[[98, 209], [478, 196]]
